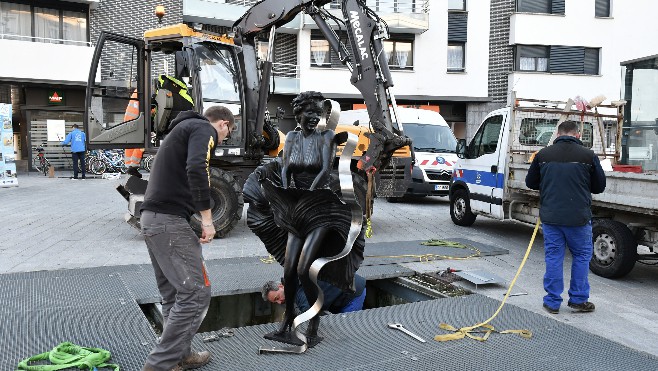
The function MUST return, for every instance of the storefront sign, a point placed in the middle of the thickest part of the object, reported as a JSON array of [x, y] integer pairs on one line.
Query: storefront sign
[[7, 157], [56, 98]]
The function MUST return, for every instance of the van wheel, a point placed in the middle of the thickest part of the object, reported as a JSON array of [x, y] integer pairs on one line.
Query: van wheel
[[460, 209], [226, 203], [615, 249]]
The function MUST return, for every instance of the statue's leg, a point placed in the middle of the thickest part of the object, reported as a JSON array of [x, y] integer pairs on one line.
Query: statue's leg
[[291, 260], [310, 252]]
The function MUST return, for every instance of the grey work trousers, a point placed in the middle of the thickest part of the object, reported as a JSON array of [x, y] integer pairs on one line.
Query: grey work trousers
[[180, 272]]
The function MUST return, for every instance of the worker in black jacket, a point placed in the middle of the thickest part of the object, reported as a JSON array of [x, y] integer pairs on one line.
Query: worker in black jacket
[[179, 185], [566, 174]]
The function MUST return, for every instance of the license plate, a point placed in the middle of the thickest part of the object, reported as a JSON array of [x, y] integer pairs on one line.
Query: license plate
[[441, 187]]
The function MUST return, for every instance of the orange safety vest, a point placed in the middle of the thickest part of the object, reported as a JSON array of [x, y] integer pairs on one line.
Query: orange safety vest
[[132, 110]]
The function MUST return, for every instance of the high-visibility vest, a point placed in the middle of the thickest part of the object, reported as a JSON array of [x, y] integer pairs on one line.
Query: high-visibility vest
[[132, 110]]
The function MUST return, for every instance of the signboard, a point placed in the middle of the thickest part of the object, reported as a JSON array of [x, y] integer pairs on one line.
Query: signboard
[[56, 130], [7, 158], [56, 98]]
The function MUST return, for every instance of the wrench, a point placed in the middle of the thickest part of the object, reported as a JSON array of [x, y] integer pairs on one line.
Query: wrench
[[401, 328]]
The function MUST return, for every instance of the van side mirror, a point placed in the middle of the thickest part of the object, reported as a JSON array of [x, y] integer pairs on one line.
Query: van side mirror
[[461, 148]]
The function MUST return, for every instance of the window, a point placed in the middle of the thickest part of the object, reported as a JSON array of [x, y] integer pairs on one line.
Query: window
[[486, 139], [15, 21], [40, 24], [602, 8], [532, 58], [557, 59], [456, 4], [321, 53], [456, 56], [540, 6], [400, 53], [393, 6], [536, 131]]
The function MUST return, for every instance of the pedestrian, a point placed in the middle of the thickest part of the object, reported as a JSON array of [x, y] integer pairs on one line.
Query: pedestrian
[[566, 174], [76, 139], [335, 299], [179, 185]]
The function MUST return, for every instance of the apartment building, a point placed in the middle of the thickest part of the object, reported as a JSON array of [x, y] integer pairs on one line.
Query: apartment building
[[46, 51]]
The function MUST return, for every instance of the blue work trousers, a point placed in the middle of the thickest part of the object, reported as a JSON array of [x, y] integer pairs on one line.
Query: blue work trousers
[[355, 304], [579, 241]]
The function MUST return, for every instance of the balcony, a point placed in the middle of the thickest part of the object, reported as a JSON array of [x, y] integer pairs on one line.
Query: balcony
[[225, 13], [45, 60], [286, 78], [401, 16]]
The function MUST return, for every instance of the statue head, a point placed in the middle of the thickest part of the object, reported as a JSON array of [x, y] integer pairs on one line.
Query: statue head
[[307, 108]]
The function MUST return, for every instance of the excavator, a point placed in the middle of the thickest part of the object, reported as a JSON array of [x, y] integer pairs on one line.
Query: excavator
[[212, 69]]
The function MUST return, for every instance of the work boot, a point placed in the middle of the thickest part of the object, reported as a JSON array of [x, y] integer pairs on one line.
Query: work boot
[[149, 368], [195, 360], [582, 307], [551, 310], [134, 172]]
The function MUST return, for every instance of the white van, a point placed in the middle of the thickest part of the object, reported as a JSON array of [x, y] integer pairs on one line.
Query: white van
[[434, 147]]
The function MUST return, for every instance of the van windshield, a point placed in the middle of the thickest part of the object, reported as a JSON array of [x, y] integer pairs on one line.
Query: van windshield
[[430, 138]]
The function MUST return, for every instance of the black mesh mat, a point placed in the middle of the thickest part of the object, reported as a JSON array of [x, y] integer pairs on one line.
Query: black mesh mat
[[362, 341]]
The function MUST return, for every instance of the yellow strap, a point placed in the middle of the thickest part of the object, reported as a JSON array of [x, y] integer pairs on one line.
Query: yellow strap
[[370, 194], [268, 260], [467, 331]]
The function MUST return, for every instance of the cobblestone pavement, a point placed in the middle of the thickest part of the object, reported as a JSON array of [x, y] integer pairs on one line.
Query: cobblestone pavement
[[59, 223]]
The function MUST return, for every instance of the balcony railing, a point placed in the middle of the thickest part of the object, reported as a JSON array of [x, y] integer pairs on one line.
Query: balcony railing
[[47, 40], [386, 6]]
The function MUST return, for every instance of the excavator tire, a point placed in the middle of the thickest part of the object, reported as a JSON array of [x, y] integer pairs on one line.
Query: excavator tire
[[271, 134], [226, 203]]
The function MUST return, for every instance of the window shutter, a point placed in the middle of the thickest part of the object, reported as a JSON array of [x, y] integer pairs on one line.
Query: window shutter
[[591, 61], [533, 6], [457, 26], [602, 8], [533, 51], [557, 7], [567, 59]]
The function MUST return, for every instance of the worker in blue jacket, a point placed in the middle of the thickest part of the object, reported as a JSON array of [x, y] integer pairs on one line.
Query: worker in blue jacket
[[76, 138], [566, 174]]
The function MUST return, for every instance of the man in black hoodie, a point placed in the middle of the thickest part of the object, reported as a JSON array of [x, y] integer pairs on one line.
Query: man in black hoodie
[[179, 186], [566, 174]]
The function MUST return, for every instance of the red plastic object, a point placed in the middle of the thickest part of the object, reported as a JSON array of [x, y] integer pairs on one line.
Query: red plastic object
[[627, 168]]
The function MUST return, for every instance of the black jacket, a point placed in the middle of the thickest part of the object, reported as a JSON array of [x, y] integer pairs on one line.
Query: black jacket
[[179, 183], [566, 174]]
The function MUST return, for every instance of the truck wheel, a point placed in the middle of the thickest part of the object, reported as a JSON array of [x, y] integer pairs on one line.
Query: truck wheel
[[460, 209], [615, 249], [226, 203]]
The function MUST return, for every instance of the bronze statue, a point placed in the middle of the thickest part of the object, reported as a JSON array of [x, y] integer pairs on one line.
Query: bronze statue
[[296, 210]]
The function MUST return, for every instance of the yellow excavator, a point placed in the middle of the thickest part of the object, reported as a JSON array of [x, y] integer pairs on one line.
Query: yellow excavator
[[211, 69]]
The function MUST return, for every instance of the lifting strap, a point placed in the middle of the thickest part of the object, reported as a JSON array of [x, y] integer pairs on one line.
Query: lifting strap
[[68, 355], [485, 327], [370, 194]]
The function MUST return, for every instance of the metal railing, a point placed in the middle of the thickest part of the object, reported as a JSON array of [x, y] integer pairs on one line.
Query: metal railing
[[45, 40], [385, 6]]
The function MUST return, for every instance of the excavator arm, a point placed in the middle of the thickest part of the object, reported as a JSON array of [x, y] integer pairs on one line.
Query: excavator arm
[[366, 61]]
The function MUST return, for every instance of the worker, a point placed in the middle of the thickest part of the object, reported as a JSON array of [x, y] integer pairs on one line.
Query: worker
[[335, 299], [178, 187], [566, 174], [133, 156], [76, 139]]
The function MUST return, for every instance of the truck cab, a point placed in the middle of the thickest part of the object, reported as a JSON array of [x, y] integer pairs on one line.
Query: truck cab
[[433, 148]]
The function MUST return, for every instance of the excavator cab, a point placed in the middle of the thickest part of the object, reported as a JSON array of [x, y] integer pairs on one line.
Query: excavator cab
[[137, 87]]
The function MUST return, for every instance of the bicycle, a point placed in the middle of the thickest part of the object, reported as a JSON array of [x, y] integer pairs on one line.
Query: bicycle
[[146, 162], [40, 162]]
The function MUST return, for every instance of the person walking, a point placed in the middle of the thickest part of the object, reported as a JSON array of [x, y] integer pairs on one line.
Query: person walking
[[76, 138], [566, 174], [179, 185]]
